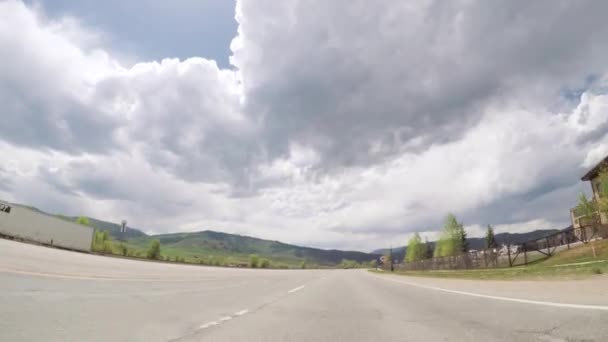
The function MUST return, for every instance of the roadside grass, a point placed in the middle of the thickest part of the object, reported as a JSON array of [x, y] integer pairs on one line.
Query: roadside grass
[[517, 273], [575, 263], [582, 253]]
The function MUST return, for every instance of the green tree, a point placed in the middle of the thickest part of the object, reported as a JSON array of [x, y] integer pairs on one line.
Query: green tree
[[254, 261], [154, 250], [83, 220], [463, 243], [586, 208], [453, 239], [438, 248], [428, 249], [490, 238], [415, 249]]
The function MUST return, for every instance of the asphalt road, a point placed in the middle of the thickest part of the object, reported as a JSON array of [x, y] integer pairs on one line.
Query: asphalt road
[[54, 295]]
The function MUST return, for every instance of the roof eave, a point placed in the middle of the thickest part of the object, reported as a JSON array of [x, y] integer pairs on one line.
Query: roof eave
[[595, 170]]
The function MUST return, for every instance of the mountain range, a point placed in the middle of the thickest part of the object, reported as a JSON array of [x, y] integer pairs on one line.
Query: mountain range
[[213, 244]]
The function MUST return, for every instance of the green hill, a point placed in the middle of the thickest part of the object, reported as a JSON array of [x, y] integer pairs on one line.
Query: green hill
[[210, 246], [213, 244]]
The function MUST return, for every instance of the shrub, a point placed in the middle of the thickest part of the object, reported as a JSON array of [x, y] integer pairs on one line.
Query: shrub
[[108, 247], [101, 242], [349, 264], [264, 263], [254, 261], [596, 270], [154, 250], [180, 259], [123, 249]]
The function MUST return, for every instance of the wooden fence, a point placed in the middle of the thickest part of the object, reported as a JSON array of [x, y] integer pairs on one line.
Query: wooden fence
[[513, 255]]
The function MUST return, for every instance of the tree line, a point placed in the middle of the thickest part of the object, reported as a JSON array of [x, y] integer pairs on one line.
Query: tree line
[[452, 242]]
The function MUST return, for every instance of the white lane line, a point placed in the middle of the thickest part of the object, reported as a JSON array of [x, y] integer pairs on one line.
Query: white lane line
[[241, 313], [296, 289], [506, 299], [93, 277], [208, 325], [223, 319]]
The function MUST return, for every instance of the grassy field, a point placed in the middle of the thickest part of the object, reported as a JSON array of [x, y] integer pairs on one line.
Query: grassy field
[[575, 263]]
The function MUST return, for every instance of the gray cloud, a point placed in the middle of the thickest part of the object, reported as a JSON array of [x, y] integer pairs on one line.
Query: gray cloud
[[343, 76], [43, 86], [5, 181], [186, 117], [66, 124]]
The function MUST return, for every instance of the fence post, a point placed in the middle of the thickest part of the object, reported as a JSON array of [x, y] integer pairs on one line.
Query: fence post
[[525, 254], [509, 255]]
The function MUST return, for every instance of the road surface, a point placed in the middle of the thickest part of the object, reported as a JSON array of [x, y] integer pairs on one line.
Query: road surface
[[53, 295]]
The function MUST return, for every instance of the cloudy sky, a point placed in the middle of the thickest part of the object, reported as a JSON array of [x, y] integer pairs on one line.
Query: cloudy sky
[[336, 124]]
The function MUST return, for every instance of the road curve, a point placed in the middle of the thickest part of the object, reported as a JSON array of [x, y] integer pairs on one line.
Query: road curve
[[53, 295]]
